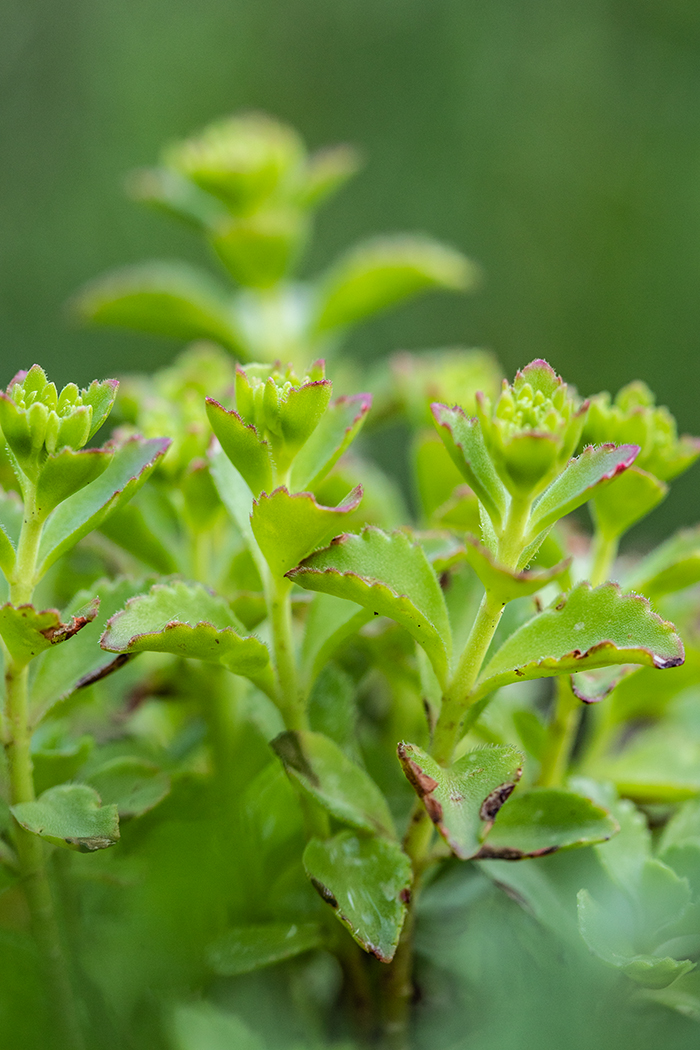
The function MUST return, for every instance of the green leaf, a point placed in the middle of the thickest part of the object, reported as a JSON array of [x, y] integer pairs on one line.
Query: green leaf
[[332, 708], [465, 443], [601, 930], [621, 505], [579, 481], [172, 193], [59, 672], [170, 299], [58, 760], [390, 576], [132, 464], [660, 765], [337, 783], [11, 515], [67, 472], [250, 455], [542, 820], [289, 527], [367, 881], [337, 429], [329, 621], [100, 396], [463, 800], [326, 171], [27, 631], [673, 566], [248, 948], [186, 620], [436, 475], [128, 528], [202, 1026], [385, 271], [585, 629], [683, 995], [132, 784], [71, 816], [509, 584]]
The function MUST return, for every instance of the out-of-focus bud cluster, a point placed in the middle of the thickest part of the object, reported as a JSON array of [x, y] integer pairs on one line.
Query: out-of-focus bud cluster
[[252, 184], [37, 421], [533, 429], [450, 376], [635, 418], [276, 413]]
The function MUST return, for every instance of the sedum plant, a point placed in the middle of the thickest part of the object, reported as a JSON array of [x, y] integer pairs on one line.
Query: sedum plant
[[289, 743]]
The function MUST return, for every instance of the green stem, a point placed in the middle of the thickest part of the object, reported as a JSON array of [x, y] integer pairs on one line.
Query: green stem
[[456, 698], [29, 847], [291, 702], [561, 734], [604, 554]]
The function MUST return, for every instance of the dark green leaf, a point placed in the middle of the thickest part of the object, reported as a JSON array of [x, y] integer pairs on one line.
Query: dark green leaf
[[57, 761], [289, 527], [70, 816], [542, 820], [390, 576], [367, 881], [329, 622], [133, 462], [341, 786], [248, 948], [249, 454], [131, 784], [585, 629], [463, 800], [129, 529], [202, 1026]]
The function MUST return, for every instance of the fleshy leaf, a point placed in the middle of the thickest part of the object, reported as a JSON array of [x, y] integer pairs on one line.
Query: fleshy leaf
[[506, 583], [683, 995], [329, 622], [465, 443], [634, 494], [585, 629], [67, 472], [337, 783], [672, 566], [543, 820], [71, 816], [660, 765], [579, 481], [248, 948], [186, 620], [26, 631], [130, 529], [289, 527], [389, 575], [57, 673], [335, 432], [243, 446], [172, 193], [463, 800], [131, 784], [385, 271], [170, 299], [367, 881], [84, 511]]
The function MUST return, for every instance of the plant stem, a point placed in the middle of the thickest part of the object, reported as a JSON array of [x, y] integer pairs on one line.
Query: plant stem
[[604, 554], [280, 612], [29, 847], [561, 733]]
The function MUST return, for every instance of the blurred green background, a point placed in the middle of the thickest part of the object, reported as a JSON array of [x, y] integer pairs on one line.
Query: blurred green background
[[557, 143]]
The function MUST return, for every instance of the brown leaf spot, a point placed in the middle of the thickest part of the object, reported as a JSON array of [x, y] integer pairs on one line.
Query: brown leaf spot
[[405, 895], [508, 853], [324, 893], [493, 801]]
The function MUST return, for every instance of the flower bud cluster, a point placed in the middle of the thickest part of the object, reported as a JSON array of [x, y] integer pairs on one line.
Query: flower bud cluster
[[635, 418], [533, 429], [37, 421]]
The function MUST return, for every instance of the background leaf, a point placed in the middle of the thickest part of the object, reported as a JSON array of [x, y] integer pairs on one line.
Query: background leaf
[[542, 820], [71, 816], [248, 948]]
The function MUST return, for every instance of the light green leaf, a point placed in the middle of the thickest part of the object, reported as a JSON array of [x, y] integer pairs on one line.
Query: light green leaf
[[540, 821], [201, 1026], [172, 193], [385, 271], [59, 672], [186, 620], [26, 631], [289, 527], [509, 584], [250, 455], [585, 629], [337, 429], [367, 881], [248, 948], [326, 171], [578, 482], [683, 995], [659, 765], [390, 576], [463, 800], [84, 511], [673, 566], [71, 816], [132, 784], [436, 475], [329, 622], [67, 472], [337, 783], [57, 760], [11, 515], [465, 443], [170, 299], [632, 496]]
